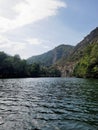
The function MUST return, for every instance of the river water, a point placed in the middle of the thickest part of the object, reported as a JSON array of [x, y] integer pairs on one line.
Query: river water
[[49, 104]]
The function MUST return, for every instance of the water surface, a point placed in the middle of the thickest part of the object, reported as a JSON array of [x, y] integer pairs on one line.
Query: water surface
[[48, 104]]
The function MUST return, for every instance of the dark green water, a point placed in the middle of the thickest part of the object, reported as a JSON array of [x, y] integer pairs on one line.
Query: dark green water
[[49, 104]]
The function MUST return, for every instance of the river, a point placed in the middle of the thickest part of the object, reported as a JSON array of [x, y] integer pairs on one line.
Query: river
[[48, 104]]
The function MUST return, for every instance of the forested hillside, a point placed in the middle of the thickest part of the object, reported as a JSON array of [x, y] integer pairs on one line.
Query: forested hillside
[[51, 57], [64, 60], [83, 60], [88, 64], [14, 67], [86, 53]]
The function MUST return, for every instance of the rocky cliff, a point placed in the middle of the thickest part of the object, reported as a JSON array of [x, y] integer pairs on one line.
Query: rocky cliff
[[51, 57], [67, 66]]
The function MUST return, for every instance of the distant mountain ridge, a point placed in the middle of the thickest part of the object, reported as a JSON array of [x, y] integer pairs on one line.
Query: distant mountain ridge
[[64, 60], [51, 57], [89, 39], [66, 57], [79, 52]]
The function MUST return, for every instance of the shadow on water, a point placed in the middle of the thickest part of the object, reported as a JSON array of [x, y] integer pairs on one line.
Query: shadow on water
[[49, 104]]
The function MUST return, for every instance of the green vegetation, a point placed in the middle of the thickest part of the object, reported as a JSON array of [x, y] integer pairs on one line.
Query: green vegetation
[[88, 64], [79, 61], [51, 57], [83, 59], [14, 67], [50, 72]]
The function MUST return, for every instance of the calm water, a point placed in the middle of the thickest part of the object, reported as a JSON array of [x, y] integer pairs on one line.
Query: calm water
[[48, 104]]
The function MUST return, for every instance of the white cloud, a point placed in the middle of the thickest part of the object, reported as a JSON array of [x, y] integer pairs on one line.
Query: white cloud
[[25, 49], [24, 12], [18, 13], [34, 41], [46, 47], [7, 44]]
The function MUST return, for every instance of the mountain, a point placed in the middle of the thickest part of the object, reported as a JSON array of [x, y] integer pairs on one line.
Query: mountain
[[15, 67], [82, 50], [80, 47], [64, 60], [51, 57], [79, 61], [88, 64]]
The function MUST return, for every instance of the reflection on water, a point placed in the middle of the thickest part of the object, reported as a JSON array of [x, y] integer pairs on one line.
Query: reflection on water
[[48, 104]]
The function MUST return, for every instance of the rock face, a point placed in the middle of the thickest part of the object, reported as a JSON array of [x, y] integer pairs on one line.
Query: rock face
[[67, 66], [51, 57], [65, 57], [79, 49], [67, 70]]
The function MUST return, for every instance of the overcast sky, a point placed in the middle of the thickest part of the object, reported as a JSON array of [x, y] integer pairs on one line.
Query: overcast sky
[[31, 27]]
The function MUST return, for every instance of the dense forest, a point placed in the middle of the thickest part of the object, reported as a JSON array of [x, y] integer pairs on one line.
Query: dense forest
[[83, 60], [65, 60], [88, 64], [14, 67], [79, 61], [51, 57]]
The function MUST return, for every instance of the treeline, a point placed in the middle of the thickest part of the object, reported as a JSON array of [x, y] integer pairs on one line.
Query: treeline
[[88, 65], [14, 67]]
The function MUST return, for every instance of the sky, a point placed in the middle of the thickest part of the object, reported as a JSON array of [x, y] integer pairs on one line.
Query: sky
[[32, 27]]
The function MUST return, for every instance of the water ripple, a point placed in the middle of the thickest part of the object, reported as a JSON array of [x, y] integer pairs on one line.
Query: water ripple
[[48, 104]]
